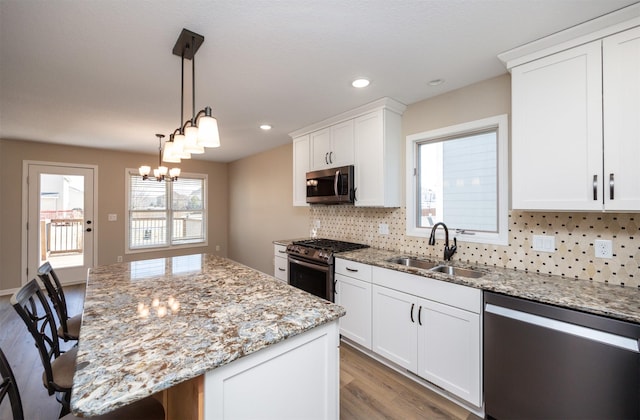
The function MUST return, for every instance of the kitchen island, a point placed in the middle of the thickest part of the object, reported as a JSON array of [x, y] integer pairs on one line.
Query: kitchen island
[[244, 341]]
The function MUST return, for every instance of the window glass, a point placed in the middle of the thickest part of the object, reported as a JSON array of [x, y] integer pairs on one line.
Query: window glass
[[165, 214], [458, 175]]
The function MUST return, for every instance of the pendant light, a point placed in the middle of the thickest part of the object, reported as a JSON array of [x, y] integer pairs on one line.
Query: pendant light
[[161, 173], [201, 131]]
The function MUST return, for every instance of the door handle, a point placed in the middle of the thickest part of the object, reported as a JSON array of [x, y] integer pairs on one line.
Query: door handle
[[420, 315], [412, 305], [326, 158], [330, 157]]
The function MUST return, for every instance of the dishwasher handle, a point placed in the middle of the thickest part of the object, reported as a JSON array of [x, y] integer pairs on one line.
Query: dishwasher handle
[[565, 327]]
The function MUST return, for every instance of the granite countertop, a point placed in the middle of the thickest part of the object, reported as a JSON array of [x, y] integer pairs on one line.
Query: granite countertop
[[584, 295], [149, 325]]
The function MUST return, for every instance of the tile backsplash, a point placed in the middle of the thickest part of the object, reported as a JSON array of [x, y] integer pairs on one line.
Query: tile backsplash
[[574, 233]]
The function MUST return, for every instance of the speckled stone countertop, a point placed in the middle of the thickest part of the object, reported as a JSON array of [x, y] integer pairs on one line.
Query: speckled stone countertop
[[149, 325], [584, 295]]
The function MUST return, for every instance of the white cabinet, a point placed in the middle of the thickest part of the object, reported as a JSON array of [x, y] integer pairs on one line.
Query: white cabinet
[[297, 378], [621, 107], [448, 349], [395, 328], [431, 328], [301, 159], [280, 263], [353, 292], [368, 137], [562, 104], [332, 146], [378, 160]]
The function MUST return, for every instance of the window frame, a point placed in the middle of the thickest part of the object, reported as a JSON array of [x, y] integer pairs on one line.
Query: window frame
[[129, 173], [501, 124]]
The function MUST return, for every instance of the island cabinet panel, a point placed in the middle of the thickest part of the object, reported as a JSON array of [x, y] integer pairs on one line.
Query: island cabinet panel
[[297, 378], [355, 296]]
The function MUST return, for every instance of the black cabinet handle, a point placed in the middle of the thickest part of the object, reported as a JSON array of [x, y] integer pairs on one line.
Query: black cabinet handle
[[330, 157], [353, 270], [412, 305], [282, 269], [420, 315], [611, 185], [326, 158]]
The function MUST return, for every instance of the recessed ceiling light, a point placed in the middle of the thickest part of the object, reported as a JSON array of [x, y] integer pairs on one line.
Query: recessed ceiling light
[[360, 83], [436, 82], [265, 127]]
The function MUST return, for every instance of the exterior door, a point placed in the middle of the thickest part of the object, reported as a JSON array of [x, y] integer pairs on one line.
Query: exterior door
[[60, 219]]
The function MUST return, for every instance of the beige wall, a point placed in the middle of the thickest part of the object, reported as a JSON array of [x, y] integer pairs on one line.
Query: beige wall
[[260, 207], [111, 199]]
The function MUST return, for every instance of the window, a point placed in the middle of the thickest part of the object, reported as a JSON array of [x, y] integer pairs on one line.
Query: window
[[458, 175], [166, 214]]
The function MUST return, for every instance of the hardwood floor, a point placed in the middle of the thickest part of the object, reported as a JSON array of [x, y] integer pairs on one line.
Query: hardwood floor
[[368, 389]]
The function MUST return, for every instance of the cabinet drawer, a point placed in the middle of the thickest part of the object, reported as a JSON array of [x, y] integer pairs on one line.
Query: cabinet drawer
[[456, 295], [280, 250], [353, 269], [280, 267]]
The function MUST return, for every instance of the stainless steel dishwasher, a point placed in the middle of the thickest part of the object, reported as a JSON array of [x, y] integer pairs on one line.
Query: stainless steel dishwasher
[[546, 362]]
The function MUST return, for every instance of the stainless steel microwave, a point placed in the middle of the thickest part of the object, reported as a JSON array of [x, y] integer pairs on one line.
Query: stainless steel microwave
[[331, 186]]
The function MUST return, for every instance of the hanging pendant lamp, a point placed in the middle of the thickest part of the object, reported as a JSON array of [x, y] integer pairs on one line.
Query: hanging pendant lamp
[[161, 173]]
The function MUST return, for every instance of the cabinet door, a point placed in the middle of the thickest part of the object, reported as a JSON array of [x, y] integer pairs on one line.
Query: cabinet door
[[341, 152], [281, 268], [355, 296], [320, 148], [395, 335], [369, 173], [449, 349], [301, 160], [621, 103], [557, 131]]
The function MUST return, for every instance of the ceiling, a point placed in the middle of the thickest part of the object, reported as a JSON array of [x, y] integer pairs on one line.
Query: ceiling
[[102, 74]]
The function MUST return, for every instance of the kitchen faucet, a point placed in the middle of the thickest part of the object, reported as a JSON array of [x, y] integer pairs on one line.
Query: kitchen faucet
[[448, 251]]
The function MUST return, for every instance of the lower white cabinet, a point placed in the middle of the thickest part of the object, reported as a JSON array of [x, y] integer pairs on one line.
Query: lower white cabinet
[[395, 328], [449, 349], [355, 296], [431, 328], [353, 292], [280, 263]]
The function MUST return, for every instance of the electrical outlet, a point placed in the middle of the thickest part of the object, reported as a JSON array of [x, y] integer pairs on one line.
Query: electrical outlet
[[383, 229], [603, 248], [316, 224], [119, 258], [113, 217]]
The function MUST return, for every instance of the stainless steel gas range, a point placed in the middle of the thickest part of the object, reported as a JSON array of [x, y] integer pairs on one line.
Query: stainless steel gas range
[[311, 264]]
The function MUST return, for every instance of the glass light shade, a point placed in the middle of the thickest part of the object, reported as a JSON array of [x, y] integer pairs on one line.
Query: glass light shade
[[163, 170], [144, 170], [174, 172], [178, 147], [168, 155], [208, 135], [191, 142], [156, 172]]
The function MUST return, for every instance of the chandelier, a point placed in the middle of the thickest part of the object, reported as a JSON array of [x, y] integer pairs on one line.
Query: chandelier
[[161, 173], [201, 130]]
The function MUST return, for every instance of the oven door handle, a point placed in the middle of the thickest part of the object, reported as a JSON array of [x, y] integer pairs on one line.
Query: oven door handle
[[323, 268]]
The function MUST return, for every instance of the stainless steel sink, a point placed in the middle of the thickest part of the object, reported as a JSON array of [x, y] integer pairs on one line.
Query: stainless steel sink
[[455, 271], [413, 262]]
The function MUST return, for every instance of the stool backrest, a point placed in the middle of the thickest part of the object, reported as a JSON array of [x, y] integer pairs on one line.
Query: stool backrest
[[54, 289], [9, 387], [32, 306]]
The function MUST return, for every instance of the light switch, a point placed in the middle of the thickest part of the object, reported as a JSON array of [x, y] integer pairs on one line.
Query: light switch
[[544, 243]]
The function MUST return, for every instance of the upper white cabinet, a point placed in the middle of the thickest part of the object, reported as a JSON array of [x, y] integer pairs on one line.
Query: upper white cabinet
[[378, 164], [621, 108], [576, 127], [368, 137], [301, 159], [332, 146]]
